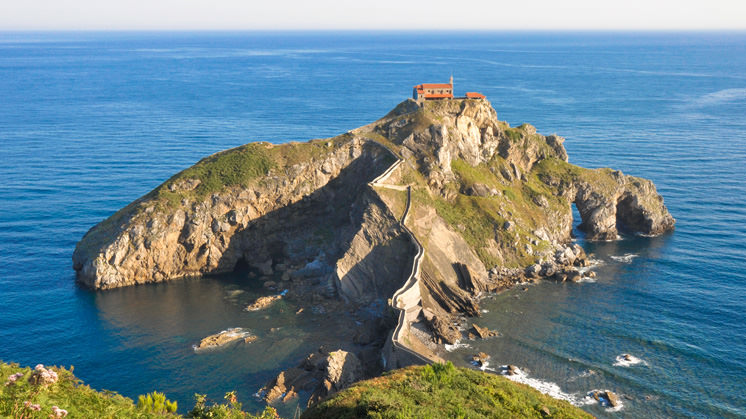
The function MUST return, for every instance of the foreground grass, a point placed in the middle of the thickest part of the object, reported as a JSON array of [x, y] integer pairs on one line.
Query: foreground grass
[[24, 393], [433, 391], [442, 391]]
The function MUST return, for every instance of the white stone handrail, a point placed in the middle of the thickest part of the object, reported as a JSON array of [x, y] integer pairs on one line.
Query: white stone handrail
[[408, 297], [379, 181]]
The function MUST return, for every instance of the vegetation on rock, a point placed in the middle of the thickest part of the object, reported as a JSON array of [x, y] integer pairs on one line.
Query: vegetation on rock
[[55, 392], [156, 403], [435, 391], [441, 391]]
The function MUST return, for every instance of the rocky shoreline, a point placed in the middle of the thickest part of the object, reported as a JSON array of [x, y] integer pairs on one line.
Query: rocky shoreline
[[428, 208]]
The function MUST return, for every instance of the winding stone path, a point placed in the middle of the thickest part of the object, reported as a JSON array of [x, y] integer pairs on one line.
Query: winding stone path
[[407, 299]]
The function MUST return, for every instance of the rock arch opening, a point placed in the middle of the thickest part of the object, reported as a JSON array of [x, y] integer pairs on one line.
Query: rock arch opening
[[629, 215]]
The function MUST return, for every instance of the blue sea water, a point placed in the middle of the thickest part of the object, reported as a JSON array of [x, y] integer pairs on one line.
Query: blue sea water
[[91, 121]]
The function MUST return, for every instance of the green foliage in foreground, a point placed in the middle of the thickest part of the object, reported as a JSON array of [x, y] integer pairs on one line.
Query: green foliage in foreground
[[23, 396], [433, 391], [156, 402], [441, 391]]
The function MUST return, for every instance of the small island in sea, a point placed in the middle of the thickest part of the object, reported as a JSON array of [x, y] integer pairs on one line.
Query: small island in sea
[[429, 208]]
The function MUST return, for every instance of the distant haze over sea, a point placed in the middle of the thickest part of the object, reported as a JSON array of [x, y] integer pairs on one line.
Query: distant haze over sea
[[91, 121]]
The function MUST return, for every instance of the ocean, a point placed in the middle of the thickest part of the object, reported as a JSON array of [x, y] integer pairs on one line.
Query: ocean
[[91, 121]]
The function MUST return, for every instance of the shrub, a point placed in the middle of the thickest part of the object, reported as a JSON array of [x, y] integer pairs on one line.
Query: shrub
[[156, 402], [229, 410]]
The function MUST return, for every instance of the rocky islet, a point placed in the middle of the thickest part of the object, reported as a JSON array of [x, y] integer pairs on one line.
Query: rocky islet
[[307, 212]]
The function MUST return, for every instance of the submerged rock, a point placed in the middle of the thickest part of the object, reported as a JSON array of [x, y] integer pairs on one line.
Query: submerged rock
[[484, 332], [441, 327], [225, 337], [263, 302], [606, 397], [612, 398], [480, 358]]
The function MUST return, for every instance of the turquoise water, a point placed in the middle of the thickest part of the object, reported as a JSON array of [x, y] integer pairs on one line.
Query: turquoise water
[[91, 121]]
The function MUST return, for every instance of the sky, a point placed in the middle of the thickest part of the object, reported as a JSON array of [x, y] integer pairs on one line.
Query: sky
[[372, 14]]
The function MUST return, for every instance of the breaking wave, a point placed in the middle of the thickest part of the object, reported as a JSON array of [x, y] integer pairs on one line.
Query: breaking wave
[[602, 400], [457, 345], [627, 360], [546, 387], [626, 258]]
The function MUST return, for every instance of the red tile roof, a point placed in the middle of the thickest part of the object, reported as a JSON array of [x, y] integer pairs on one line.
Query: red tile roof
[[475, 95], [434, 86]]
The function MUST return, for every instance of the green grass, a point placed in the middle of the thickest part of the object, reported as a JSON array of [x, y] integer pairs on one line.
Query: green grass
[[81, 401], [240, 166], [514, 134], [67, 393], [481, 219], [377, 137], [237, 167], [556, 171], [441, 391], [395, 200]]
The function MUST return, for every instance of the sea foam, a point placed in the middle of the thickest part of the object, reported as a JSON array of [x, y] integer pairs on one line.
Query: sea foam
[[627, 360], [603, 401], [626, 258], [457, 345], [546, 387]]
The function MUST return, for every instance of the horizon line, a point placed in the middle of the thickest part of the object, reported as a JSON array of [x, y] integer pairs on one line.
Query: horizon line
[[385, 30]]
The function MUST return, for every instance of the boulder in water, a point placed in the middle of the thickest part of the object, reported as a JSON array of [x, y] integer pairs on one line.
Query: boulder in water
[[263, 302], [225, 337], [484, 332]]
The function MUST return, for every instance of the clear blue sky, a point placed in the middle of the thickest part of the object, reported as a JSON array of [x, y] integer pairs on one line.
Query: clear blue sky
[[372, 14]]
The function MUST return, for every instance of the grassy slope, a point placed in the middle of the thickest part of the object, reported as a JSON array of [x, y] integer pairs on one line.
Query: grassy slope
[[68, 393], [241, 165], [238, 166], [441, 391], [481, 220], [81, 401], [437, 391]]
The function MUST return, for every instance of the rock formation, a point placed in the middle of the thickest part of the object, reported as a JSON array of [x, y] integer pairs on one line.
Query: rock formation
[[321, 373], [263, 302], [429, 207], [226, 337]]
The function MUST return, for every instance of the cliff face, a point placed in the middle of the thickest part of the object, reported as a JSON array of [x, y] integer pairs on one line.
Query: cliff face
[[179, 230], [489, 205]]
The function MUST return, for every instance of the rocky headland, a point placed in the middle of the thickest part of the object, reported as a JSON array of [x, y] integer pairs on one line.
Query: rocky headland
[[426, 209]]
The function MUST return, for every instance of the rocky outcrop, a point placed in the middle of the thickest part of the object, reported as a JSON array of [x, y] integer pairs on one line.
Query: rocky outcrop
[[469, 131], [359, 274], [619, 203], [483, 332], [263, 302], [226, 337], [270, 220], [607, 398], [480, 359], [321, 373]]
